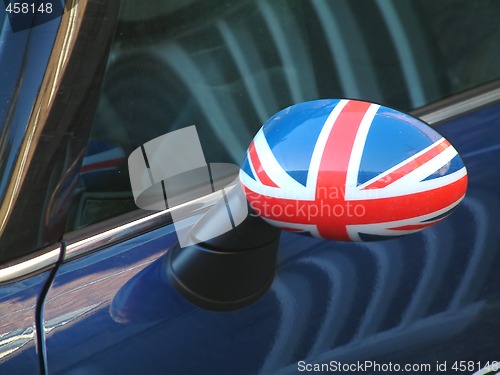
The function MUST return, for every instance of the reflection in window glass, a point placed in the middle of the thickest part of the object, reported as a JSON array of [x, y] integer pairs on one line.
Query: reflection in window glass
[[227, 66]]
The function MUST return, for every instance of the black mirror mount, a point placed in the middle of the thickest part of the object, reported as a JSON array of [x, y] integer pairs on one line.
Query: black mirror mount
[[229, 271]]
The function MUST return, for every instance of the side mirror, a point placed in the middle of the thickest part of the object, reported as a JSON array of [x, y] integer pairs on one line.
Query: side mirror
[[342, 170], [350, 170]]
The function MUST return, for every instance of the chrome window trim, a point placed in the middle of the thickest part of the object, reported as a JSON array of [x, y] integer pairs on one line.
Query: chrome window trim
[[46, 260], [459, 104], [80, 247], [115, 235]]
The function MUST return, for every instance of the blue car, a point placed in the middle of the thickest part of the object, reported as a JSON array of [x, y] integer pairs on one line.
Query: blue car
[[92, 281]]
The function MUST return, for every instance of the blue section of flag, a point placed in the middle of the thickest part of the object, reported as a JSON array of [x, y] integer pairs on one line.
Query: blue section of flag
[[455, 165], [292, 135], [389, 142], [246, 168]]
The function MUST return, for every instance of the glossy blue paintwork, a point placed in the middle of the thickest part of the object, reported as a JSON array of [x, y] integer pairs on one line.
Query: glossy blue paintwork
[[407, 299], [18, 330], [23, 60], [23, 57]]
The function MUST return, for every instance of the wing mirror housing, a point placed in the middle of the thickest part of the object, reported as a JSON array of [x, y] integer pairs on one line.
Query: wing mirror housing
[[350, 170], [342, 170]]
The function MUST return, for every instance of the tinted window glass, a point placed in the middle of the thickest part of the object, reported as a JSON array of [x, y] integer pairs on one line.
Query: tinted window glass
[[2, 17], [226, 66]]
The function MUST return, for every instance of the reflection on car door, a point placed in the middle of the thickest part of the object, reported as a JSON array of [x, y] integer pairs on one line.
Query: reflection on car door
[[329, 300]]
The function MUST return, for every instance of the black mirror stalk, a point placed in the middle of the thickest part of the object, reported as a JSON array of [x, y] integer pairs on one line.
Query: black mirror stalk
[[229, 271]]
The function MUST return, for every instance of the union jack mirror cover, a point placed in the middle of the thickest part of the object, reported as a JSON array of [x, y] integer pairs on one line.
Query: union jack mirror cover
[[352, 171]]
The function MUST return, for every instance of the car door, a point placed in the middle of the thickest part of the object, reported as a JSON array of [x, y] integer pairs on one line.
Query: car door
[[407, 301]]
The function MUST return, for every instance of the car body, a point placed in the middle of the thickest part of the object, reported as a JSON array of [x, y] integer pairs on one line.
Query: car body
[[82, 271]]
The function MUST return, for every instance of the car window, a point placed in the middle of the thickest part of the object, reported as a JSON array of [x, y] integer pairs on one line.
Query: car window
[[2, 18], [226, 66]]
